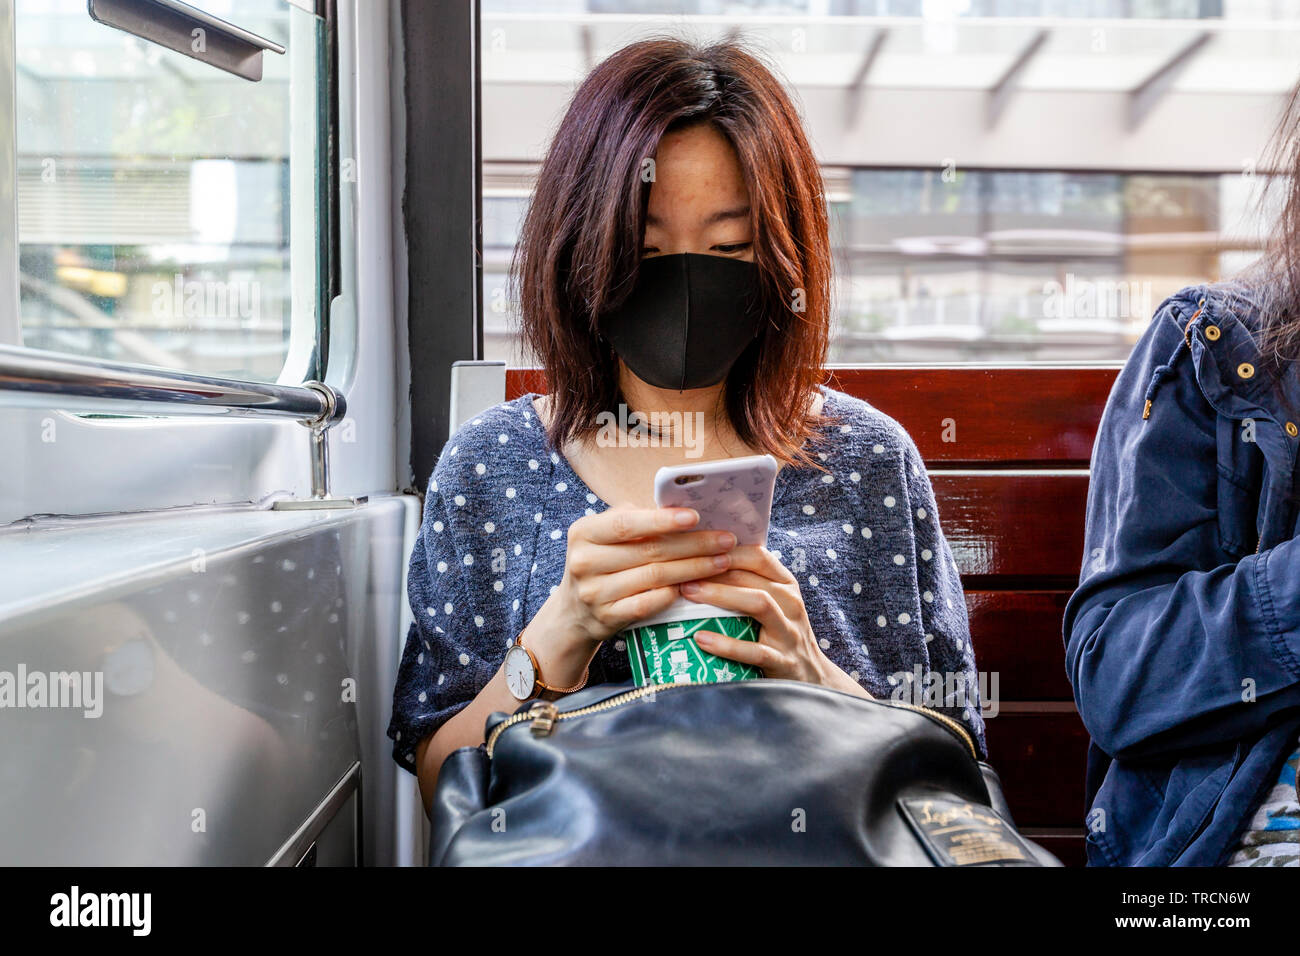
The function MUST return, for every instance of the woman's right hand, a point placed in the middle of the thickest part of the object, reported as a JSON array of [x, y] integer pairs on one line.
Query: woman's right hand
[[621, 565], [625, 564]]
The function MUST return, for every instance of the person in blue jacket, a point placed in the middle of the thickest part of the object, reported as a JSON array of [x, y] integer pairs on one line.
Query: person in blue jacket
[[1183, 638]]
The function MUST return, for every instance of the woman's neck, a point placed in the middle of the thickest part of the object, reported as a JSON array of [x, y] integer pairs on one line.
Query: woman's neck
[[707, 433], [665, 411]]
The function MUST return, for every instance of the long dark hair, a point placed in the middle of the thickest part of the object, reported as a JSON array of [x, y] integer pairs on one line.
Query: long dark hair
[[1272, 282], [581, 239]]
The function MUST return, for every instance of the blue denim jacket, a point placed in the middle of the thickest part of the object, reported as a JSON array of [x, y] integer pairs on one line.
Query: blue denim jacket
[[1183, 639]]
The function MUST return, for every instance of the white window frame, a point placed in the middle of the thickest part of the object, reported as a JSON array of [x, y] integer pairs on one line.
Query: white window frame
[[67, 464]]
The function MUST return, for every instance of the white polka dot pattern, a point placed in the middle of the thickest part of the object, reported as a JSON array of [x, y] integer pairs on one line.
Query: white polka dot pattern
[[862, 538]]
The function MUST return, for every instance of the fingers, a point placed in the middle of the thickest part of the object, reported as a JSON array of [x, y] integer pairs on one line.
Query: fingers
[[619, 524], [757, 603], [625, 563], [762, 562], [621, 613], [608, 588], [787, 599], [745, 652], [588, 558]]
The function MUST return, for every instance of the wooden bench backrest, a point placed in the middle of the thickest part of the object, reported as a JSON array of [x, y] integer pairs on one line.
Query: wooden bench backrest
[[1007, 450]]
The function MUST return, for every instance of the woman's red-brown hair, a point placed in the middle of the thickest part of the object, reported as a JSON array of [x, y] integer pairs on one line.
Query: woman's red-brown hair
[[581, 241]]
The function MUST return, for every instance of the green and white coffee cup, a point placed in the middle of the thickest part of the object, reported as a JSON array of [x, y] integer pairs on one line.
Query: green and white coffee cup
[[660, 649]]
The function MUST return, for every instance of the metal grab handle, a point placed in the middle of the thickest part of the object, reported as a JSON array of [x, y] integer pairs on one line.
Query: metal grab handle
[[189, 31], [33, 378]]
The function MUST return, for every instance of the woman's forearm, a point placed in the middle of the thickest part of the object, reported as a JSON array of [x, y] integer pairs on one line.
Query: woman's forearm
[[465, 729], [562, 657]]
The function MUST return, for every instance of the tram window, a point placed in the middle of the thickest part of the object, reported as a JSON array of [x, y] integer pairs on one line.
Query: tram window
[[168, 212], [504, 200], [940, 258]]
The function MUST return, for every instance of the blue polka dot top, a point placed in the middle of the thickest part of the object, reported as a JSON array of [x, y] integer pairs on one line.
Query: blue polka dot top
[[878, 579]]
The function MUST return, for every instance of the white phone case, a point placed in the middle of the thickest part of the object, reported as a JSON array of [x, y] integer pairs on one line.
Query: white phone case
[[732, 494]]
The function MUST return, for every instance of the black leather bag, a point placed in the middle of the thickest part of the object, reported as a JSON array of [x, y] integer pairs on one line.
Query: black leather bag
[[759, 772]]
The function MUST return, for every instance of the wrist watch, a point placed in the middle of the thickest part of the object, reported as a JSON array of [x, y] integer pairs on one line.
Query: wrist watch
[[523, 676]]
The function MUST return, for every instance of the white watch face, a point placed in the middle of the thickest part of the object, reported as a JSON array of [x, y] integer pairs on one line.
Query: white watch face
[[520, 676]]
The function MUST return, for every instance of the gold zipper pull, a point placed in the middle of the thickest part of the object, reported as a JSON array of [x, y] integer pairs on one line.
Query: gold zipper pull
[[543, 714]]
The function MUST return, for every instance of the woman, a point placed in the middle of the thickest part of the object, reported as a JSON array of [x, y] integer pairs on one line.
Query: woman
[[1183, 639], [680, 189]]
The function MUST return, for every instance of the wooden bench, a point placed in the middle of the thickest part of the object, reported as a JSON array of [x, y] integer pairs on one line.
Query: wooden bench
[[1008, 452]]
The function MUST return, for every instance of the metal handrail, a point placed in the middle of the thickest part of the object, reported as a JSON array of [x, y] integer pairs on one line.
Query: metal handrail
[[33, 378]]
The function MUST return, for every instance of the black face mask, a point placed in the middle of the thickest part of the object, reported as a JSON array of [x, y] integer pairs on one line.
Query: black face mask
[[687, 319]]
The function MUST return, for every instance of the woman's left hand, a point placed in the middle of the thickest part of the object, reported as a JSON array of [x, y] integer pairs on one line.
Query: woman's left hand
[[759, 585]]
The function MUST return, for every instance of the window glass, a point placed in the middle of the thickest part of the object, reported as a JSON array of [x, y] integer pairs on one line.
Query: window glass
[[168, 211], [991, 243]]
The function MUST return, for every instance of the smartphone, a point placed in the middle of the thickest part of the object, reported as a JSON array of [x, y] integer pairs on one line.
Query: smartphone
[[731, 494]]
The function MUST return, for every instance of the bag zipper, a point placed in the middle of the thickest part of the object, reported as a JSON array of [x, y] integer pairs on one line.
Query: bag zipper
[[543, 714]]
